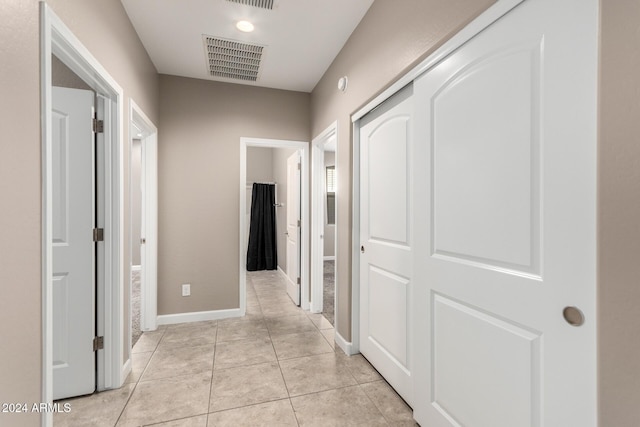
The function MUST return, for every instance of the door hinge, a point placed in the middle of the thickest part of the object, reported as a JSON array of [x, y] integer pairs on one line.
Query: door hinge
[[98, 343], [98, 126], [98, 234], [298, 281], [299, 166], [298, 223]]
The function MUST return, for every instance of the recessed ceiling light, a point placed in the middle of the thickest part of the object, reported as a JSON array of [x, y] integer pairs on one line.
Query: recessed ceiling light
[[244, 26]]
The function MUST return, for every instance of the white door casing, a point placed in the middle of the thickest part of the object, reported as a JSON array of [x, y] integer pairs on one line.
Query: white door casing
[[506, 236], [317, 227], [74, 368], [293, 227], [386, 239]]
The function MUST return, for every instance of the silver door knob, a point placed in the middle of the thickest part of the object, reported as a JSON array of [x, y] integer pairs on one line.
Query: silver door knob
[[573, 316], [362, 249]]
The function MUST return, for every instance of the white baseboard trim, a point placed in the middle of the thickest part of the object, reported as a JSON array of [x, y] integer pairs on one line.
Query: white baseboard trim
[[126, 370], [197, 316], [346, 346], [281, 271], [136, 267], [330, 258]]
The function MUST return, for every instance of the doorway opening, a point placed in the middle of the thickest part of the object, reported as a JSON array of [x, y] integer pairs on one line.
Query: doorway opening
[[273, 162], [324, 227], [143, 213]]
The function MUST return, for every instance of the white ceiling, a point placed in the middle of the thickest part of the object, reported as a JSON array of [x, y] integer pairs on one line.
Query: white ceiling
[[302, 37]]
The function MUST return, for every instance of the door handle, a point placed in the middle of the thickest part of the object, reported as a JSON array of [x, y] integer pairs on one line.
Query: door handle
[[573, 316], [362, 249]]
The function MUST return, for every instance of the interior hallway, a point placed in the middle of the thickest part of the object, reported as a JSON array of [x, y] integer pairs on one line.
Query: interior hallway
[[275, 366]]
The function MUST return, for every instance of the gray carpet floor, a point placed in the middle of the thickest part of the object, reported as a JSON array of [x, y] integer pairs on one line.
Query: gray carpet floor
[[135, 307], [329, 292]]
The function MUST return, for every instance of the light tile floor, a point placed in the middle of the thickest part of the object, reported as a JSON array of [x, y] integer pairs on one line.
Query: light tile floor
[[277, 366]]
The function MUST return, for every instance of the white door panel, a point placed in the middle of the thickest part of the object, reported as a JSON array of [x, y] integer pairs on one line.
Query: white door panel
[[506, 224], [385, 233], [293, 227], [73, 247]]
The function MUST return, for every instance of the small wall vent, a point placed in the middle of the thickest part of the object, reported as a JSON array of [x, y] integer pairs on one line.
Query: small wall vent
[[263, 4], [232, 59]]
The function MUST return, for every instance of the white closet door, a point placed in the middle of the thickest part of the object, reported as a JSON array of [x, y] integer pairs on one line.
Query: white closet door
[[74, 370], [507, 224], [293, 227], [386, 234]]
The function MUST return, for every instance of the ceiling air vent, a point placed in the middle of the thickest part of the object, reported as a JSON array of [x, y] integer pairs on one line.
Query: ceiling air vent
[[263, 4], [232, 59]]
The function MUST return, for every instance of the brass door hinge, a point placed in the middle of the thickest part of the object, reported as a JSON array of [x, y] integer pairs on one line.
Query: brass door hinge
[[98, 126], [98, 234], [98, 343]]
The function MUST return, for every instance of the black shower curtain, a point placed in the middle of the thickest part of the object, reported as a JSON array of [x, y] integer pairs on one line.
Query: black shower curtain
[[262, 254]]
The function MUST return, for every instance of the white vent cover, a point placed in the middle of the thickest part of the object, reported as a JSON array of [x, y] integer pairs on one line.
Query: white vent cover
[[264, 4], [232, 59]]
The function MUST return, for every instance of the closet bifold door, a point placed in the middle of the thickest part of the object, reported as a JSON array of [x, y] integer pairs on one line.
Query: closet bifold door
[[505, 251]]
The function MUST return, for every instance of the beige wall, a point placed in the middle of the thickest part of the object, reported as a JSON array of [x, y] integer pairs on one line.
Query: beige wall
[[259, 165], [62, 76], [199, 177], [259, 169], [20, 272], [105, 30], [391, 38], [619, 215]]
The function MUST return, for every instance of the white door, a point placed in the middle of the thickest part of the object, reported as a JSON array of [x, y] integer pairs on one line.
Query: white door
[[74, 368], [386, 240], [293, 227], [506, 126]]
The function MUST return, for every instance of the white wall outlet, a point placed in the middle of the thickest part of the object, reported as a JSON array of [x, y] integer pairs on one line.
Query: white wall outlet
[[186, 290]]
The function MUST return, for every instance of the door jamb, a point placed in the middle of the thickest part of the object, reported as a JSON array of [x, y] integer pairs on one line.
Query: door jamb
[[149, 261], [303, 146], [482, 21], [56, 38], [318, 219]]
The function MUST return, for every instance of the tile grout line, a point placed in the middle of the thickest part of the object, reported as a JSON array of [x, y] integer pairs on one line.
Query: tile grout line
[[280, 368], [135, 386], [213, 365]]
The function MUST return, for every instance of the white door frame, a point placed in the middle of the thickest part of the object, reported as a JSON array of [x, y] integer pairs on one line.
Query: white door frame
[[56, 38], [303, 146], [493, 13], [318, 219], [149, 229]]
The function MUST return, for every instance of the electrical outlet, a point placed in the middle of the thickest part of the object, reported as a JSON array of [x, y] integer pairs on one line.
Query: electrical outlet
[[186, 290]]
